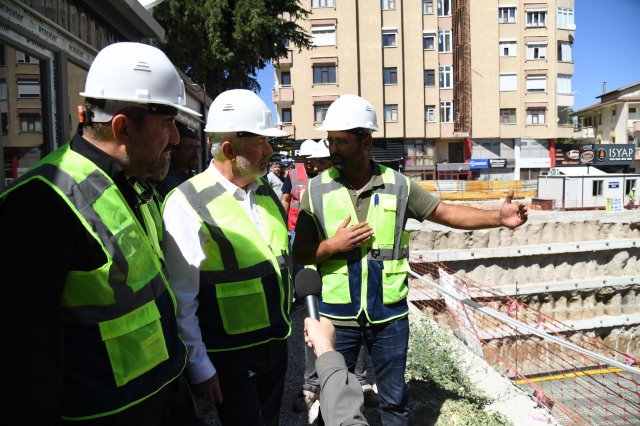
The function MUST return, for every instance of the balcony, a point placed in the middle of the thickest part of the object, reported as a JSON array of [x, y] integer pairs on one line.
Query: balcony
[[565, 131], [289, 128], [282, 94], [288, 60], [565, 100], [584, 133]]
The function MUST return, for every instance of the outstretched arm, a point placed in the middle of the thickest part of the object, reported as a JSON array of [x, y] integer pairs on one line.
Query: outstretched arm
[[463, 217]]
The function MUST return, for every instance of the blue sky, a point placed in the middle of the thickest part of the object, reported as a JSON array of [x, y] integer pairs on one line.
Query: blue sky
[[605, 49]]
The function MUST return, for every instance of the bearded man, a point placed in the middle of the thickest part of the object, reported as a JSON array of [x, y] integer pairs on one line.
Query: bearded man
[[227, 251]]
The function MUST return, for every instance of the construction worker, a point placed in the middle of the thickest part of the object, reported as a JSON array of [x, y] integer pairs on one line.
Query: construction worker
[[351, 224], [227, 250], [322, 157], [632, 198], [294, 184], [93, 331]]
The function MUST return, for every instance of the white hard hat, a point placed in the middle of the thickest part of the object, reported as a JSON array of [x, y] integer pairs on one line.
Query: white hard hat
[[237, 111], [134, 74], [307, 147], [320, 150], [634, 188], [350, 112]]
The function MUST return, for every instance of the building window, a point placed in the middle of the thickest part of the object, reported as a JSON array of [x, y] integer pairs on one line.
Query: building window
[[321, 3], [3, 90], [564, 84], [285, 78], [536, 18], [5, 124], [388, 4], [320, 111], [613, 113], [444, 7], [23, 58], [324, 75], [429, 41], [446, 77], [389, 38], [418, 153], [508, 82], [323, 36], [536, 51], [391, 112], [3, 61], [427, 7], [390, 75], [508, 116], [537, 83], [28, 89], [30, 123], [444, 41], [565, 52], [429, 77], [535, 116], [508, 48], [633, 113], [286, 42], [599, 118], [430, 113], [506, 15], [565, 19], [446, 112], [596, 188], [286, 115]]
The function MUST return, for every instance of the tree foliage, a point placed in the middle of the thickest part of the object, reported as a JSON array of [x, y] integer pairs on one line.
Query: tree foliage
[[222, 43]]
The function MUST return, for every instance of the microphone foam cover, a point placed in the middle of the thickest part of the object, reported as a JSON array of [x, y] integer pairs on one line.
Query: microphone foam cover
[[308, 283]]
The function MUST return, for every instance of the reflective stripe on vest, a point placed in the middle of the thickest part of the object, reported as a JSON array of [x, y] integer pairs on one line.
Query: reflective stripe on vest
[[154, 210], [298, 178], [372, 277], [121, 340], [244, 281]]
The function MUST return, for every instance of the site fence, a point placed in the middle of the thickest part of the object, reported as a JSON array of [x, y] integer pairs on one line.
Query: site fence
[[575, 375], [463, 190]]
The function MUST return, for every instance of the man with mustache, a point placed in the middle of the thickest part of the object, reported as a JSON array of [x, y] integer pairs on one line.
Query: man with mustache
[[351, 224], [93, 331], [227, 250], [184, 160]]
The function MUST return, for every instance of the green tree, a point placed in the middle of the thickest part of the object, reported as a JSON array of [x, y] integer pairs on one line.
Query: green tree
[[222, 43]]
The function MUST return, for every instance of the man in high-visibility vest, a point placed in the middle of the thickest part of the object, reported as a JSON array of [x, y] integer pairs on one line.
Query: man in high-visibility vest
[[632, 198], [351, 224], [227, 251], [91, 331]]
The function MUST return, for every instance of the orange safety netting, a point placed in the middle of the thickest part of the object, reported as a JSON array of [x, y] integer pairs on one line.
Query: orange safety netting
[[578, 389]]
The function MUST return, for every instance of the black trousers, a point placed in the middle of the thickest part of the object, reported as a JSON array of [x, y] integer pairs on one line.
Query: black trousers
[[171, 406], [252, 384]]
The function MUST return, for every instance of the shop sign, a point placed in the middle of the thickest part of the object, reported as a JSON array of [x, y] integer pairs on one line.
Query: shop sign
[[614, 185], [43, 31], [478, 163], [497, 162], [594, 154]]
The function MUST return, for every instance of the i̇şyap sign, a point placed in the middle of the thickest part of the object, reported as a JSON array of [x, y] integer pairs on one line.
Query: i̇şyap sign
[[594, 154]]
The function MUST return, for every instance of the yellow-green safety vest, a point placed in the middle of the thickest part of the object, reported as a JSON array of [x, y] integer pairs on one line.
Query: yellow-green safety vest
[[244, 296], [121, 336], [371, 278]]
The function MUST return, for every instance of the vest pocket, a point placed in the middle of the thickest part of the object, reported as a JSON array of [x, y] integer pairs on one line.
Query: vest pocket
[[135, 342], [243, 306], [335, 282], [394, 275]]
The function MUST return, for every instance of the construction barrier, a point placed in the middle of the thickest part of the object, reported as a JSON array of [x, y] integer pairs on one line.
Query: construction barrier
[[575, 376], [461, 190]]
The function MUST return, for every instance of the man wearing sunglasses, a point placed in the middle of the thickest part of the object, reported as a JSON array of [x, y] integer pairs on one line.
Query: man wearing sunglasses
[[184, 161], [352, 226]]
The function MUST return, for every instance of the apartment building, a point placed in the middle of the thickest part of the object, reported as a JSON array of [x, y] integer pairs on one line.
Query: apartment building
[[453, 81], [613, 120]]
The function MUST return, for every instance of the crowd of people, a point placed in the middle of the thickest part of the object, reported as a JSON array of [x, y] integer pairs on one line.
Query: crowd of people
[[135, 283]]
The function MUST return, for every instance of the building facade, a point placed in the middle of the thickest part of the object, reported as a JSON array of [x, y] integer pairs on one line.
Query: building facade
[[46, 49], [452, 80], [613, 120]]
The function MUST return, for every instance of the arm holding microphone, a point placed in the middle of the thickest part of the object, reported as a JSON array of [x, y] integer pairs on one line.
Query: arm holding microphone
[[341, 399]]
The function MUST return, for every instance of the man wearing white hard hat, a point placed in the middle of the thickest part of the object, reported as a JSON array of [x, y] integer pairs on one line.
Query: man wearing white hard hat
[[632, 198], [351, 224], [227, 251], [93, 336]]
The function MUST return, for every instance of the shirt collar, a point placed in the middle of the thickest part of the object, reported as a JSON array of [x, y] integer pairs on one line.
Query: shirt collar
[[228, 185]]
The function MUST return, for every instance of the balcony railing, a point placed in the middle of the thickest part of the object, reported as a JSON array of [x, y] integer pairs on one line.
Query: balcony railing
[[288, 60], [282, 94], [584, 133]]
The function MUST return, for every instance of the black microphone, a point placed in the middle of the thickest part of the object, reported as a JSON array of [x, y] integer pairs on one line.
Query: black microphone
[[308, 288]]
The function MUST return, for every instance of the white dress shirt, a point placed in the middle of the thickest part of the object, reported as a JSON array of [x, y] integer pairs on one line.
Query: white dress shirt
[[184, 242]]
